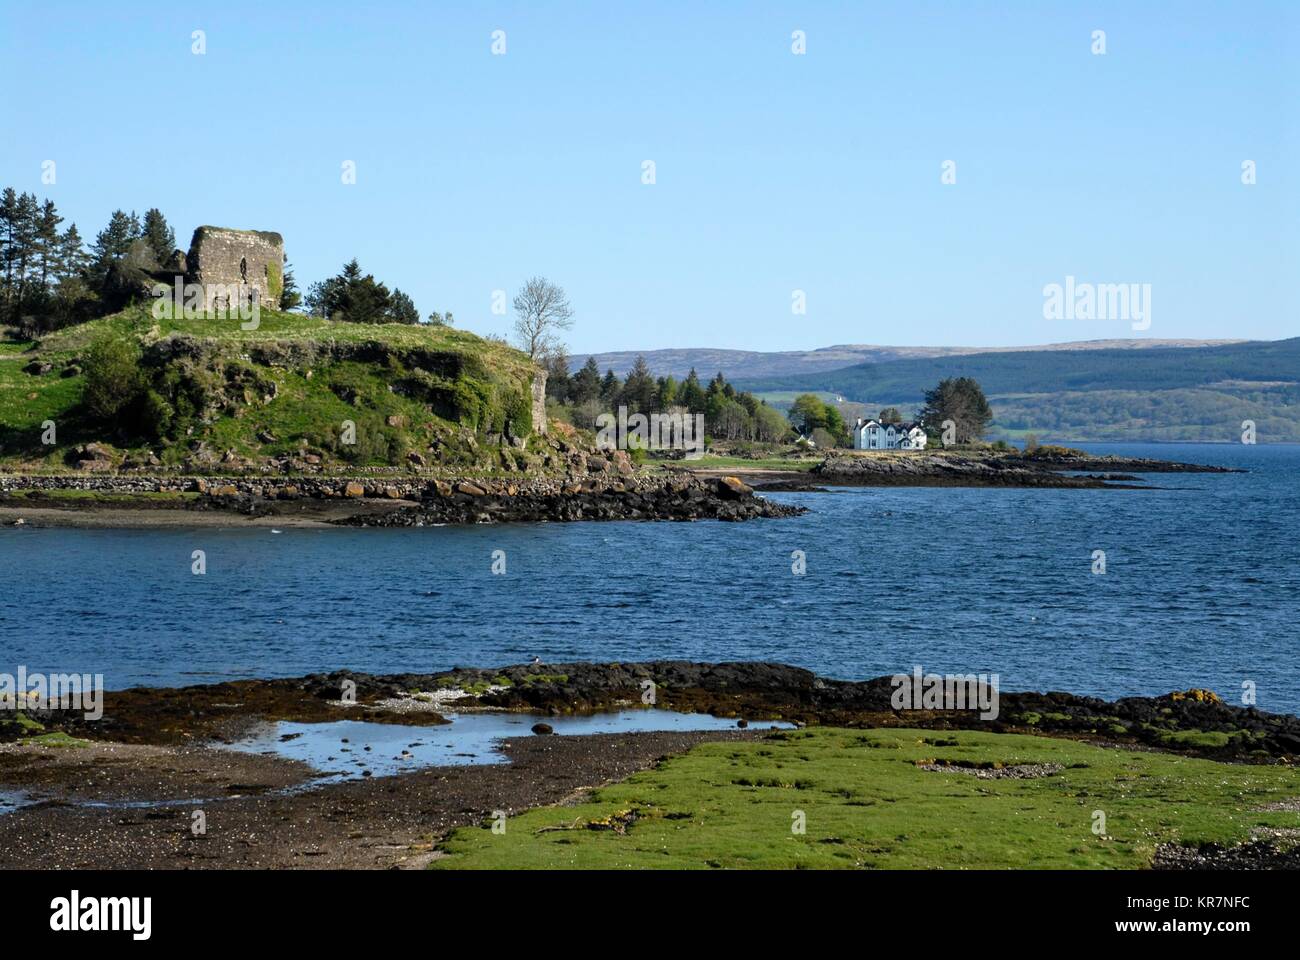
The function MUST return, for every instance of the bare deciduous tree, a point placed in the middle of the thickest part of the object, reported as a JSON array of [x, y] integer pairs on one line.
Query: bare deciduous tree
[[541, 308]]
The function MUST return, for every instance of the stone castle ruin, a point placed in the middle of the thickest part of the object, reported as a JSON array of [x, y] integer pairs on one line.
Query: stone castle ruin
[[251, 261]]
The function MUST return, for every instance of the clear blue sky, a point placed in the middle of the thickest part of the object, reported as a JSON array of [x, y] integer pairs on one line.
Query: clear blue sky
[[774, 172]]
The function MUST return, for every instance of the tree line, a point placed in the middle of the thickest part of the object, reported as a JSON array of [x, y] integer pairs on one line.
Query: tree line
[[729, 414], [50, 278], [958, 401]]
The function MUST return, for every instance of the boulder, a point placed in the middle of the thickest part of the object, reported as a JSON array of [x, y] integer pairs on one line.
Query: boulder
[[732, 488], [354, 490], [623, 463]]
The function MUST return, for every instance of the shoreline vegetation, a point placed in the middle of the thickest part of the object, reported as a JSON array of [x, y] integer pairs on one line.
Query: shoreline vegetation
[[879, 787]]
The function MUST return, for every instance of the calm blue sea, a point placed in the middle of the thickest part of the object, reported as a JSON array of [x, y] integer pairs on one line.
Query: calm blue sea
[[1202, 588]]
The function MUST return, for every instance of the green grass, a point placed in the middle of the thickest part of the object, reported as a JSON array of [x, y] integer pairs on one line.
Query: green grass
[[404, 387], [20, 723], [710, 462], [56, 739], [868, 804]]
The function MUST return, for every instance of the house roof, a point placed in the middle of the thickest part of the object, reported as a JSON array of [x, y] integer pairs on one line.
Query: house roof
[[899, 427]]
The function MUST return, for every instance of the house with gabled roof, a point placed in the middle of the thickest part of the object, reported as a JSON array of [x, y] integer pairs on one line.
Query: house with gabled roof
[[877, 435]]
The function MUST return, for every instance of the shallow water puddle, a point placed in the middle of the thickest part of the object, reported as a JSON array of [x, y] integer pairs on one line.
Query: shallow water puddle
[[350, 749], [11, 800]]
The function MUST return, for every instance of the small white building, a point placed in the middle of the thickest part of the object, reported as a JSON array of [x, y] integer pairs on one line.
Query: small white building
[[874, 435]]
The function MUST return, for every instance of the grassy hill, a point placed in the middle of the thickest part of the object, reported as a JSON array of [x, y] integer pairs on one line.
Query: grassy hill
[[1160, 393], [211, 394]]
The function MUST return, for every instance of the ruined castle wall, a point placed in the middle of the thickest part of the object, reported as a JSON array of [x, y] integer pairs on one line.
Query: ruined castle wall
[[539, 402], [251, 259]]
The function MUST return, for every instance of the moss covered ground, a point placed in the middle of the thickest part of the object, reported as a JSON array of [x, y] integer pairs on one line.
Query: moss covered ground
[[874, 799]]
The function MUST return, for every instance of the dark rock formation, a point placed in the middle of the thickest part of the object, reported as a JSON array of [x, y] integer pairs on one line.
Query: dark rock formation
[[1194, 722]]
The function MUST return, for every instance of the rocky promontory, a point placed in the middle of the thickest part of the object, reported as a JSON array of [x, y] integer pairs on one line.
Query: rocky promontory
[[989, 468], [675, 497]]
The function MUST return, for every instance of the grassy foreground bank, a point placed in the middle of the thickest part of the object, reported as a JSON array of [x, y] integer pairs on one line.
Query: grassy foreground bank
[[873, 798]]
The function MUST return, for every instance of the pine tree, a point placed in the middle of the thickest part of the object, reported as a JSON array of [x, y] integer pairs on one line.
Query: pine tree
[[691, 395], [558, 382], [112, 243], [26, 231], [72, 254], [961, 400], [160, 237], [48, 247], [639, 387], [8, 247], [290, 296], [401, 309], [609, 388], [586, 382]]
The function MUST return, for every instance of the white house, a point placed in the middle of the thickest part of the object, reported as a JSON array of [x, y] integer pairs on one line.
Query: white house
[[874, 435]]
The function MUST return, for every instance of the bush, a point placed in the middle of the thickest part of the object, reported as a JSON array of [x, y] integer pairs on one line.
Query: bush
[[113, 380], [155, 414]]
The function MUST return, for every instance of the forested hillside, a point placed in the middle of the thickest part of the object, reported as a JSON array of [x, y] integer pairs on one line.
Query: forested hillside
[[1155, 394]]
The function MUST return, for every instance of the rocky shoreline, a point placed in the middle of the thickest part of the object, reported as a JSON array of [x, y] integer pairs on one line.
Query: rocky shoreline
[[1193, 722], [408, 502], [676, 498], [993, 469], [124, 797]]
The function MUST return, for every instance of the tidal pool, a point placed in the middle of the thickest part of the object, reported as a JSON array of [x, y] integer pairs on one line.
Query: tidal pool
[[349, 749]]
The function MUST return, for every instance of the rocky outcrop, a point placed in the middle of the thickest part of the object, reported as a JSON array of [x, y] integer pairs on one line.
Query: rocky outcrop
[[1104, 464], [1192, 722], [979, 468], [674, 498], [919, 469]]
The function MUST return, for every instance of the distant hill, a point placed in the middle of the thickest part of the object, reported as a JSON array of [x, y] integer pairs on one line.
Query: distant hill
[[750, 363], [1096, 392]]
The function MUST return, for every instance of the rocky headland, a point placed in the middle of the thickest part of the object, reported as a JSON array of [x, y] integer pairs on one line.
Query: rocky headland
[[980, 468]]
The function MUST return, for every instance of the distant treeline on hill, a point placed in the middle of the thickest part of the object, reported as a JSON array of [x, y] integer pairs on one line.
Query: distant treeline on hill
[[1200, 394], [1049, 371]]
